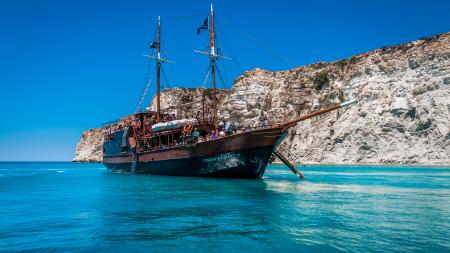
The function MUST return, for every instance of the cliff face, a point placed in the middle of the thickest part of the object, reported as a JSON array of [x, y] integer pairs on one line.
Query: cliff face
[[186, 102], [403, 115], [89, 149]]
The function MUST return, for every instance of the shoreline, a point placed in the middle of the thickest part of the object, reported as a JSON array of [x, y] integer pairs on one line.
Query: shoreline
[[373, 164], [342, 164]]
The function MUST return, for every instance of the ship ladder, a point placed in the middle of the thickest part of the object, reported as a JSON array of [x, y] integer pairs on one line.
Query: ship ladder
[[282, 152], [133, 163], [141, 144]]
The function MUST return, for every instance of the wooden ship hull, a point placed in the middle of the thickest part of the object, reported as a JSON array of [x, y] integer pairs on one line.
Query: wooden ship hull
[[243, 155]]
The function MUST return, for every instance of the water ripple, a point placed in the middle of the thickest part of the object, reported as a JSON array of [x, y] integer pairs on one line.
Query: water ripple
[[82, 207]]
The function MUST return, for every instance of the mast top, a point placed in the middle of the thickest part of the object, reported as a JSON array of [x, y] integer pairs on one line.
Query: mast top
[[212, 35], [159, 39]]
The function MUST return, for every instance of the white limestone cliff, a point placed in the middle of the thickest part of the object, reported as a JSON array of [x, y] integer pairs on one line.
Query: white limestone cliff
[[403, 115]]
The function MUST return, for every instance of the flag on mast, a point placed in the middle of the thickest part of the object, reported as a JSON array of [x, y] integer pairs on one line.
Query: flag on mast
[[154, 44], [204, 26]]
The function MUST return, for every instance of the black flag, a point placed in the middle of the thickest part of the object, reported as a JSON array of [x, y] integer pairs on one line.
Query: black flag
[[154, 45], [204, 26]]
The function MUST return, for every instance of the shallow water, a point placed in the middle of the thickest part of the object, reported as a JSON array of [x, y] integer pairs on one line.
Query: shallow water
[[84, 207]]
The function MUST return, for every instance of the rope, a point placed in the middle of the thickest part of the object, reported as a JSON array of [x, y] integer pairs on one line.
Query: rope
[[235, 61], [206, 76], [258, 43], [185, 17], [165, 77], [223, 66], [115, 166], [220, 76], [273, 52], [144, 93]]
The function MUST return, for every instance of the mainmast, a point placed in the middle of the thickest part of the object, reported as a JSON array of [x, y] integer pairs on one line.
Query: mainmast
[[158, 70], [212, 57]]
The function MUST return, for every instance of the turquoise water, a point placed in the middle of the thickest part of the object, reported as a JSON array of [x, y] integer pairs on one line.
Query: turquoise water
[[83, 207]]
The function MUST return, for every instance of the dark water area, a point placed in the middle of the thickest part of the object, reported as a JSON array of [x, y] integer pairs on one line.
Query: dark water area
[[55, 207]]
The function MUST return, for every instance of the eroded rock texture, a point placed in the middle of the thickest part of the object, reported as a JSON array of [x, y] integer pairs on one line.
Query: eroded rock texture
[[403, 115]]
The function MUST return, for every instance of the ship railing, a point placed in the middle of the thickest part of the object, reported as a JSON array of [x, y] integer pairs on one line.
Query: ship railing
[[143, 144], [244, 129]]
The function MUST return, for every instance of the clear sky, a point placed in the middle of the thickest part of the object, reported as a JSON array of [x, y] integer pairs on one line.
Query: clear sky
[[66, 66]]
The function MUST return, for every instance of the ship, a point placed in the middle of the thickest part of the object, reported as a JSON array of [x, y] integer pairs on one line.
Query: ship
[[158, 143]]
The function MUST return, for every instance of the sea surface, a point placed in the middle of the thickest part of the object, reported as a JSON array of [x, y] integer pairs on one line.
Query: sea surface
[[68, 207]]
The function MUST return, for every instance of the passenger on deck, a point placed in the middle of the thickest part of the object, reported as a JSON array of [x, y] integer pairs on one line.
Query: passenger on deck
[[262, 120], [221, 133], [213, 135], [228, 128], [235, 129], [195, 134]]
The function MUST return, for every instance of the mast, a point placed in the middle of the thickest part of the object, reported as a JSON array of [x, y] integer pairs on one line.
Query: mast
[[158, 75], [212, 58]]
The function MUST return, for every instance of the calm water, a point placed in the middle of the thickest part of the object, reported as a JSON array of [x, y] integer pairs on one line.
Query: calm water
[[83, 207]]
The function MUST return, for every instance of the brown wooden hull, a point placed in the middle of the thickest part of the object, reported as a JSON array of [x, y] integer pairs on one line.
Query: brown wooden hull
[[242, 155]]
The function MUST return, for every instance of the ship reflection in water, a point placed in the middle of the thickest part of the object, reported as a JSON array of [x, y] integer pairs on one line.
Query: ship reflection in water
[[84, 207]]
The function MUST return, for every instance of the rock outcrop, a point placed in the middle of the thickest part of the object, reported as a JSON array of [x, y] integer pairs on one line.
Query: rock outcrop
[[89, 149], [186, 102], [403, 115]]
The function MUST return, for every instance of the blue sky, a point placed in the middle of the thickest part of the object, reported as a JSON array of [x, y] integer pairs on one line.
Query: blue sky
[[66, 66]]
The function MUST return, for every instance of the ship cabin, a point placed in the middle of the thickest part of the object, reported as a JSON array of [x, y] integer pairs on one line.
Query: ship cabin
[[147, 131]]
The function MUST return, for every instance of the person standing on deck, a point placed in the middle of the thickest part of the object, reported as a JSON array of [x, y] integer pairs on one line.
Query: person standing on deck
[[195, 134], [228, 128], [262, 120]]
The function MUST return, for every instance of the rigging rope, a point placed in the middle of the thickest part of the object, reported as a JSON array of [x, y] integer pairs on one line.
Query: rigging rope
[[185, 17], [206, 76], [165, 77], [223, 66], [220, 76], [235, 61], [246, 34], [144, 93], [258, 43]]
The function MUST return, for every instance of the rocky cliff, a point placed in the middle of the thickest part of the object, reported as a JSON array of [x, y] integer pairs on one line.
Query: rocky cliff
[[403, 115]]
